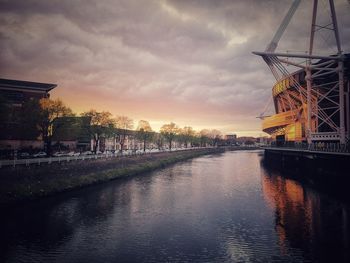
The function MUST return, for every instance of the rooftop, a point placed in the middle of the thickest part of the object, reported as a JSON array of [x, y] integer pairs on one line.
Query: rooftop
[[11, 83]]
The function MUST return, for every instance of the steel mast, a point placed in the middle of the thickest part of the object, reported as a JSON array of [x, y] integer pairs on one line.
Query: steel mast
[[320, 124]]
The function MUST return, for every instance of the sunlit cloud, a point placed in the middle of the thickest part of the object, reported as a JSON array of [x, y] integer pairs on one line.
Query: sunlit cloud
[[174, 12], [186, 61]]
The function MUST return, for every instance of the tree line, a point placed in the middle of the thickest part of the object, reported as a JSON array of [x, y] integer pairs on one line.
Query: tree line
[[46, 119]]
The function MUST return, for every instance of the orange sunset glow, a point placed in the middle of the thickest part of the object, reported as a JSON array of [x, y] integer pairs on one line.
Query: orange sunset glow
[[187, 62]]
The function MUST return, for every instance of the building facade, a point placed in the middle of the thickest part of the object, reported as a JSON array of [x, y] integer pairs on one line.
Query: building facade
[[291, 121], [14, 97]]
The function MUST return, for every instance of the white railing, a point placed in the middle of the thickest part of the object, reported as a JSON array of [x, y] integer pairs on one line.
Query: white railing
[[60, 159]]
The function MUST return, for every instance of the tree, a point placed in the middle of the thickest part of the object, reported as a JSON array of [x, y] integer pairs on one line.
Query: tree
[[124, 124], [101, 124], [215, 136], [169, 132], [159, 140], [204, 136], [196, 139], [50, 110], [144, 132], [35, 118], [188, 135], [71, 128]]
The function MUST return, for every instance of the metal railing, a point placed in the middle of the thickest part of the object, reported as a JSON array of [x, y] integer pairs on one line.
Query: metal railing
[[49, 160], [317, 146]]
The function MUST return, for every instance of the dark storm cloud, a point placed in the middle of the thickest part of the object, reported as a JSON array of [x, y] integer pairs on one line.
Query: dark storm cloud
[[186, 51]]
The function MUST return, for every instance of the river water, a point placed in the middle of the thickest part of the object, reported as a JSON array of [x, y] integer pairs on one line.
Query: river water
[[218, 208]]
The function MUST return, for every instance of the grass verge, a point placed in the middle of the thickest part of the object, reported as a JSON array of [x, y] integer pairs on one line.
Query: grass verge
[[28, 183]]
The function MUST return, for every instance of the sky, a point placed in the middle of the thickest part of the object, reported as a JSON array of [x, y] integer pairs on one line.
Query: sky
[[183, 61]]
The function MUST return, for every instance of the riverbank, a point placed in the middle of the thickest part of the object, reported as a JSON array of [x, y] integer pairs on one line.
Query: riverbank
[[316, 164], [21, 184], [326, 172]]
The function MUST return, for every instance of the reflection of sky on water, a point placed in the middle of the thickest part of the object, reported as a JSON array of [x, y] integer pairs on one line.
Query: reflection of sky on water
[[220, 208]]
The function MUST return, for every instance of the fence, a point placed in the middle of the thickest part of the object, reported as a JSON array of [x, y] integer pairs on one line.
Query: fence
[[317, 146], [50, 160]]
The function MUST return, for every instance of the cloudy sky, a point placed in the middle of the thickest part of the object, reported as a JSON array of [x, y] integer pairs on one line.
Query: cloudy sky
[[186, 61]]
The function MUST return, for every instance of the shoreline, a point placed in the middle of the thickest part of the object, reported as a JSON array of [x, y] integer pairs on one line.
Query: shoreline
[[326, 172], [22, 184]]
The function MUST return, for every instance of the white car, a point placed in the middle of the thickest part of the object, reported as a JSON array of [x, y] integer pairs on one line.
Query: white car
[[73, 154], [58, 154], [87, 153], [40, 154]]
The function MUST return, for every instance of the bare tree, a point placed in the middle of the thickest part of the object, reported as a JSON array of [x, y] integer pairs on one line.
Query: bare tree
[[215, 136], [144, 132], [124, 125], [49, 111], [159, 140], [204, 137], [169, 132], [187, 134], [101, 124]]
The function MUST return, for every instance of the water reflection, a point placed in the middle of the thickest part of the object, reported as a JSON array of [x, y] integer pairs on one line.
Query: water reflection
[[304, 219], [48, 225], [222, 208]]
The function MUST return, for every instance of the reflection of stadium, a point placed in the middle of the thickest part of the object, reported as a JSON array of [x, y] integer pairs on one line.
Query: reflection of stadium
[[311, 104], [306, 221], [290, 121]]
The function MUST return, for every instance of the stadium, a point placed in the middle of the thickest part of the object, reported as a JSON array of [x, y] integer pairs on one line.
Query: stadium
[[312, 103], [290, 104]]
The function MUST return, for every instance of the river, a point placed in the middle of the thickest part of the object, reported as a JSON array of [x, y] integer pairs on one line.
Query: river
[[219, 208]]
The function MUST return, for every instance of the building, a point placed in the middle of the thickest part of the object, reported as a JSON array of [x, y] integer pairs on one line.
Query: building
[[246, 140], [291, 119], [312, 103], [263, 140], [14, 94], [231, 139], [71, 133]]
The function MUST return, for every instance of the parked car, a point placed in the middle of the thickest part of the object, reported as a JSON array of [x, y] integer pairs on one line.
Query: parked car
[[39, 155], [58, 154], [86, 153], [72, 154], [24, 155]]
